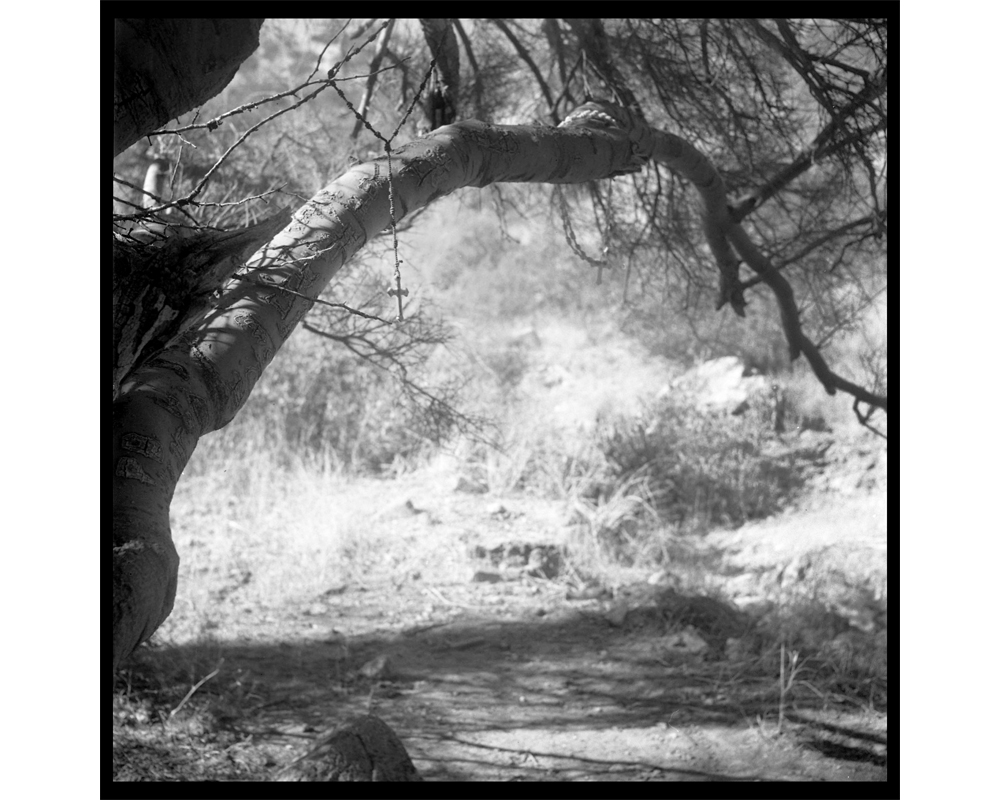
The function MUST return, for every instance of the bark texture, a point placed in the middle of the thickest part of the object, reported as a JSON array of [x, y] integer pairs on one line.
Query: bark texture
[[199, 384], [163, 68], [197, 368], [166, 67]]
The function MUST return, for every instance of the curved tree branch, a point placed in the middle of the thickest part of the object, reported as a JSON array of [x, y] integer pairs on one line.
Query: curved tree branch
[[724, 234], [161, 290], [199, 384], [798, 342]]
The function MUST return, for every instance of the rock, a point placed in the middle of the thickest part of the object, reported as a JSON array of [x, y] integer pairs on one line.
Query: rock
[[470, 487], [364, 749], [379, 668], [687, 641], [543, 562], [592, 591], [403, 510], [714, 620], [616, 614], [723, 384], [662, 578], [554, 375], [526, 338], [407, 510]]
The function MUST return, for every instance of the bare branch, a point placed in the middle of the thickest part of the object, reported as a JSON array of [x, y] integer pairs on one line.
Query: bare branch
[[798, 342], [526, 58], [829, 236], [381, 46], [477, 78]]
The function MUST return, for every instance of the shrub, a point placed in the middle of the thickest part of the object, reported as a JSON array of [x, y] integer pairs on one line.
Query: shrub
[[701, 467]]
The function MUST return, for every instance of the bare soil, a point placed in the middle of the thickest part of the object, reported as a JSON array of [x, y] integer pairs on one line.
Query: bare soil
[[494, 667]]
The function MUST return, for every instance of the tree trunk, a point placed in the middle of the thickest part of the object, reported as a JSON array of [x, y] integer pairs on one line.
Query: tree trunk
[[166, 67], [198, 385]]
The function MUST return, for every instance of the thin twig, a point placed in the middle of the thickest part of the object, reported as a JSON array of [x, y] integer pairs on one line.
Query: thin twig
[[197, 686]]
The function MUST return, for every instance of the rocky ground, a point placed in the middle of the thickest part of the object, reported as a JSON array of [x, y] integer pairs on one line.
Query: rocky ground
[[751, 654]]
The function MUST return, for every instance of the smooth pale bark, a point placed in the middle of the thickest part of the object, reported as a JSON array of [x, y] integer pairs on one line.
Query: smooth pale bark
[[162, 289], [199, 385]]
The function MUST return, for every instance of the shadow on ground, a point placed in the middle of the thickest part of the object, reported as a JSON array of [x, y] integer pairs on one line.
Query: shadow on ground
[[540, 690]]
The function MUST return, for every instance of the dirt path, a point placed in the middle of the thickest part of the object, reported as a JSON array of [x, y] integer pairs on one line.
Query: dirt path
[[512, 682], [491, 666]]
